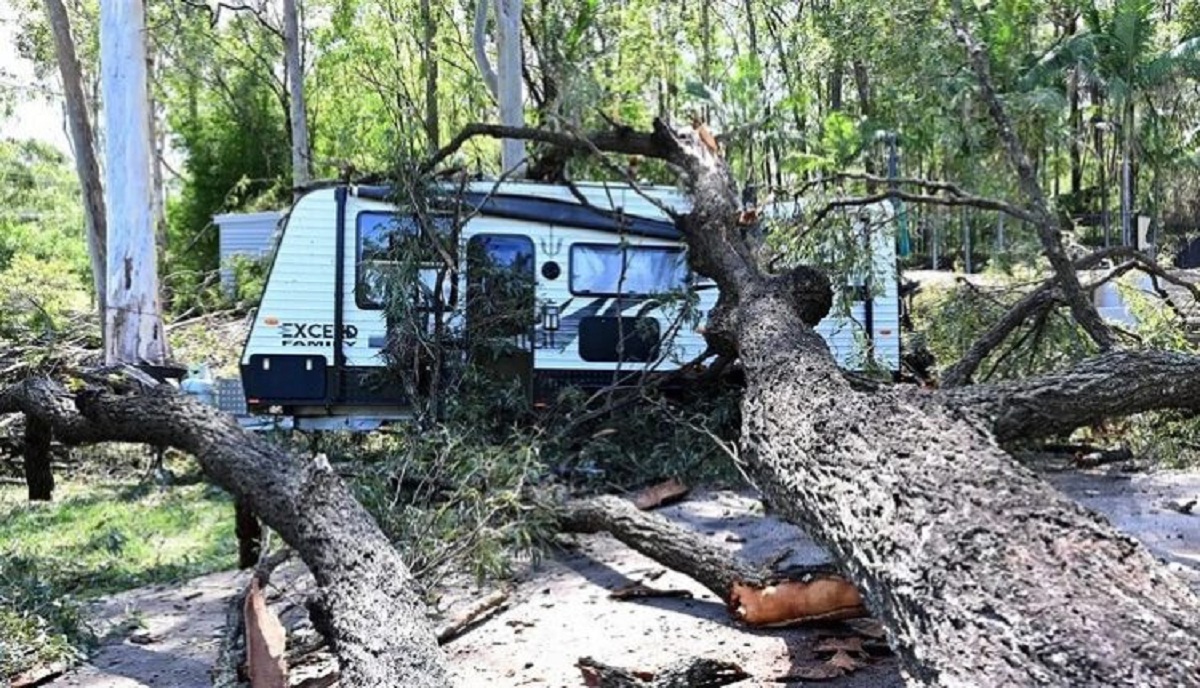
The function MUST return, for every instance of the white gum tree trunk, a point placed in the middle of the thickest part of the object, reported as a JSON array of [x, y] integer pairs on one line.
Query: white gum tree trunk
[[132, 318]]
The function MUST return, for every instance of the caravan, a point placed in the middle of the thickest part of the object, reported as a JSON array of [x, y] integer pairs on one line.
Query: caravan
[[596, 267]]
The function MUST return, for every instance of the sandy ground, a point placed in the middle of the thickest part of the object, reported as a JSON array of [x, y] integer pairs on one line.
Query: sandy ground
[[561, 611], [159, 636]]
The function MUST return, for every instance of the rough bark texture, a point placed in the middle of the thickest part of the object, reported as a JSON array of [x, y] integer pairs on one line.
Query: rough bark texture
[[249, 534], [84, 144], [1113, 385], [982, 573], [368, 607], [38, 476], [661, 540], [132, 319]]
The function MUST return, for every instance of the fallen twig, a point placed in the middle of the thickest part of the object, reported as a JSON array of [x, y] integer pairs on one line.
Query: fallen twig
[[474, 617]]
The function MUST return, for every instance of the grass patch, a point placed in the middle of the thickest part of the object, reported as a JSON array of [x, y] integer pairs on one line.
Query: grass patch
[[95, 540]]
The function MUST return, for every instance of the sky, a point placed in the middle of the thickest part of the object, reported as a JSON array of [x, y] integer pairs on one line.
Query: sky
[[38, 113]]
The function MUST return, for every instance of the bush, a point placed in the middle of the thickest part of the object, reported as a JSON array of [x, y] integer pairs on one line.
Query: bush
[[39, 297]]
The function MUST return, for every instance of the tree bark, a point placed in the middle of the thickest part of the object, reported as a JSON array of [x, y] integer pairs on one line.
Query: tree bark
[[249, 534], [1114, 385], [667, 543], [982, 573], [84, 144], [38, 476], [508, 82], [753, 595], [133, 321], [368, 605], [297, 105], [430, 59]]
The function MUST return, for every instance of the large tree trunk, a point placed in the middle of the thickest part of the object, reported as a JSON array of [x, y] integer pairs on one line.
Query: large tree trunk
[[132, 320], [84, 144], [368, 609], [983, 573], [298, 112]]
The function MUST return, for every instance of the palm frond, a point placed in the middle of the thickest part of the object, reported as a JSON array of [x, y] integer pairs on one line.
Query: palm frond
[[1077, 51]]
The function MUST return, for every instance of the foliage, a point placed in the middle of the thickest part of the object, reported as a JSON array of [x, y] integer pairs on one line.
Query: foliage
[[663, 435], [225, 116], [1167, 438], [38, 298], [951, 318], [96, 539], [456, 500]]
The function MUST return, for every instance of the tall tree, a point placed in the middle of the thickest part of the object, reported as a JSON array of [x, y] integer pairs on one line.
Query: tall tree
[[301, 155], [132, 319], [505, 81], [84, 143]]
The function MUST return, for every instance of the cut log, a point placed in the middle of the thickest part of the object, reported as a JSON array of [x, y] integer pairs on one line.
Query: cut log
[[266, 641], [368, 603]]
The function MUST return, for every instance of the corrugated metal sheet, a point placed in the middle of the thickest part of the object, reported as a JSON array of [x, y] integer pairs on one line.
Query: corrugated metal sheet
[[247, 234]]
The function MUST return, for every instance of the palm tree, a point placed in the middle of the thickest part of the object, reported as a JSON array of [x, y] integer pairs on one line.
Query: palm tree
[[1116, 55]]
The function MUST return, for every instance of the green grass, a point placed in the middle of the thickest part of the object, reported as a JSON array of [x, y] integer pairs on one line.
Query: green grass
[[94, 540]]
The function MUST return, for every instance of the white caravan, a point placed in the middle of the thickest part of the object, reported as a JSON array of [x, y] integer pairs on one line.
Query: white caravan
[[598, 271]]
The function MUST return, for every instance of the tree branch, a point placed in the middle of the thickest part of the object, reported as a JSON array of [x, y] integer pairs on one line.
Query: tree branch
[[625, 141], [1046, 295], [368, 606], [953, 201], [1108, 386], [1048, 229]]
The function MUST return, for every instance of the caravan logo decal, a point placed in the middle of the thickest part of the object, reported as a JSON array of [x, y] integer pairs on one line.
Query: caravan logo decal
[[297, 334], [550, 246]]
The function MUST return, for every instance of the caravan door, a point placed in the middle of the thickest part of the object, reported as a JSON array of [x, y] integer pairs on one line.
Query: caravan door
[[500, 305]]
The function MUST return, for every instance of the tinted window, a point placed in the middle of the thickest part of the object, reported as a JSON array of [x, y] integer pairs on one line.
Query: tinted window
[[598, 270], [384, 239]]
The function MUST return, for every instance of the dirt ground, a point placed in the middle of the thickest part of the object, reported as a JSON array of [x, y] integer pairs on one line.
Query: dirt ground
[[560, 611]]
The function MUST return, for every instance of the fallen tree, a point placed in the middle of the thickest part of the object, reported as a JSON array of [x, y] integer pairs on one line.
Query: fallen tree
[[367, 607], [982, 573]]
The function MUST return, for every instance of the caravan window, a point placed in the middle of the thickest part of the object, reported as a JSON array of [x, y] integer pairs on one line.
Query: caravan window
[[609, 270], [382, 239]]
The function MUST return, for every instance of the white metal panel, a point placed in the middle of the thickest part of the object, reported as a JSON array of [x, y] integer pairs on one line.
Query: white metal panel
[[248, 234], [300, 287]]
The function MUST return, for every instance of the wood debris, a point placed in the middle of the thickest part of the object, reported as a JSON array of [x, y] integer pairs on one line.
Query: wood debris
[[483, 610], [635, 591], [826, 597]]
